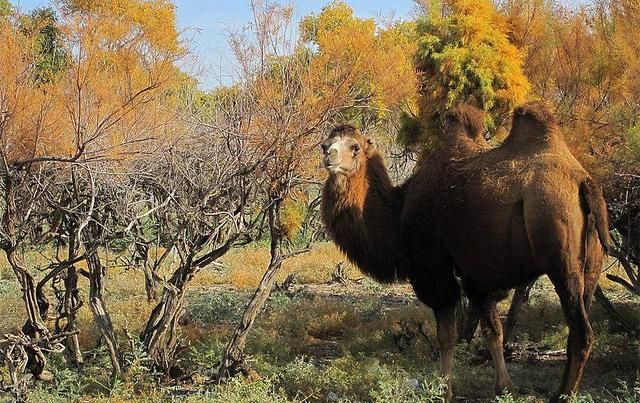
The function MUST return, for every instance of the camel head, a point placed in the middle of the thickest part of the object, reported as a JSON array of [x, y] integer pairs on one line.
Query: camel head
[[346, 151]]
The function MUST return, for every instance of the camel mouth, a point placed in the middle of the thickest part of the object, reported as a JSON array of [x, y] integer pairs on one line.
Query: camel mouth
[[334, 168]]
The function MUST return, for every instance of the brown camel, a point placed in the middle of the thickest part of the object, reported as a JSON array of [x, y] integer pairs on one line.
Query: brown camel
[[525, 209], [501, 218], [362, 212]]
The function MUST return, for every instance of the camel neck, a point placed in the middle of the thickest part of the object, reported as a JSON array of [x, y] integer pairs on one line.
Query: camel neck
[[362, 216]]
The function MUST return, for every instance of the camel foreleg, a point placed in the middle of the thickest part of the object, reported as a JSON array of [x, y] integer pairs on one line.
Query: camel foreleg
[[492, 332], [447, 338]]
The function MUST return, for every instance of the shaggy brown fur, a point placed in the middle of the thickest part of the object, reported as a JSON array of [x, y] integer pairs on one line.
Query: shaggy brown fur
[[363, 214], [519, 211], [463, 134]]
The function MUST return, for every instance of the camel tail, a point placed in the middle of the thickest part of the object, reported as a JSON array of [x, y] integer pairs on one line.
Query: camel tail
[[594, 197]]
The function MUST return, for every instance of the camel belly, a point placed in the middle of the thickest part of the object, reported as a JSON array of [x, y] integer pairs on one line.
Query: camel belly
[[488, 241]]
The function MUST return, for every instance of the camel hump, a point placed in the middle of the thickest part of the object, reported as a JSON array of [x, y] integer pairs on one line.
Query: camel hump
[[536, 110], [467, 117], [534, 124], [594, 197]]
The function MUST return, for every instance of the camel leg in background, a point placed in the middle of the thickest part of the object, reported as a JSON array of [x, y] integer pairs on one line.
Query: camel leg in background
[[492, 332], [593, 263], [570, 289], [447, 338], [520, 298]]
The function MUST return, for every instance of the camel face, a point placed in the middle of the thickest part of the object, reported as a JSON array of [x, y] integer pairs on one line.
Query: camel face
[[343, 151]]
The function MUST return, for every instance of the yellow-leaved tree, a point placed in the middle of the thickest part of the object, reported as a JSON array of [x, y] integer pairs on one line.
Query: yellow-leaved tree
[[465, 55]]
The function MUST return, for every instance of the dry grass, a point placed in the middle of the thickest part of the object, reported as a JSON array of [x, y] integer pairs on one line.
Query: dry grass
[[125, 295], [244, 267]]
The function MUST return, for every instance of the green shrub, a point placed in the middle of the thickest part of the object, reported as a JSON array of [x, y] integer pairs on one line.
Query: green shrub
[[240, 391], [210, 308]]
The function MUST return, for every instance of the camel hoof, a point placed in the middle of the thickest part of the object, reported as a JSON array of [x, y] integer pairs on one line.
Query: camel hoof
[[449, 396], [504, 387], [559, 399]]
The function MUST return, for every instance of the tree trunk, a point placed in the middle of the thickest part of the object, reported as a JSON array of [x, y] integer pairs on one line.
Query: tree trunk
[[96, 300], [34, 327], [232, 361], [159, 336], [71, 304]]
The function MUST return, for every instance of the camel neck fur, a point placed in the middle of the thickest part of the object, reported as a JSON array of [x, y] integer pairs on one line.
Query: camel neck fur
[[362, 214]]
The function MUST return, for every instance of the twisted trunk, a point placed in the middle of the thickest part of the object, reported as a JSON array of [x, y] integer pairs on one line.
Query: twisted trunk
[[232, 361], [160, 335], [34, 327], [96, 298]]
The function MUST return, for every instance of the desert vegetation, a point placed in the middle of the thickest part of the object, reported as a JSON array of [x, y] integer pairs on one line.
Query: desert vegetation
[[162, 242]]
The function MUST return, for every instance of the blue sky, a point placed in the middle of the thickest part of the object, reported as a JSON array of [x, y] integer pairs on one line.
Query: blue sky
[[206, 24]]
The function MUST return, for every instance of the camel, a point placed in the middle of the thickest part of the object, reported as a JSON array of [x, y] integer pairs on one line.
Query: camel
[[499, 218], [362, 212]]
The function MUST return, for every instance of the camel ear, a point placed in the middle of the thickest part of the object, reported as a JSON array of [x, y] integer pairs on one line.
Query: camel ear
[[370, 145]]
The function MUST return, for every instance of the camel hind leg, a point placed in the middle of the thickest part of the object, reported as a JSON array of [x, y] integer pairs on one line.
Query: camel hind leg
[[575, 280], [560, 249], [570, 289]]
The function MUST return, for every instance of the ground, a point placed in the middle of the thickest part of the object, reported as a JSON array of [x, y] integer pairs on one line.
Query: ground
[[318, 341]]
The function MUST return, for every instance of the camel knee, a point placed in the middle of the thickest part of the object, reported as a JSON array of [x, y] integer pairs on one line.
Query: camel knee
[[582, 341], [447, 340], [447, 337], [580, 330], [446, 344], [491, 332]]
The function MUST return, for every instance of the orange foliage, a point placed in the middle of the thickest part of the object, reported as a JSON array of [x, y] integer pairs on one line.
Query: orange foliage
[[113, 92], [30, 115], [585, 63]]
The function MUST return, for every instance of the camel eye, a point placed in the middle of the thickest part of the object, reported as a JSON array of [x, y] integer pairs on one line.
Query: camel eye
[[356, 148]]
